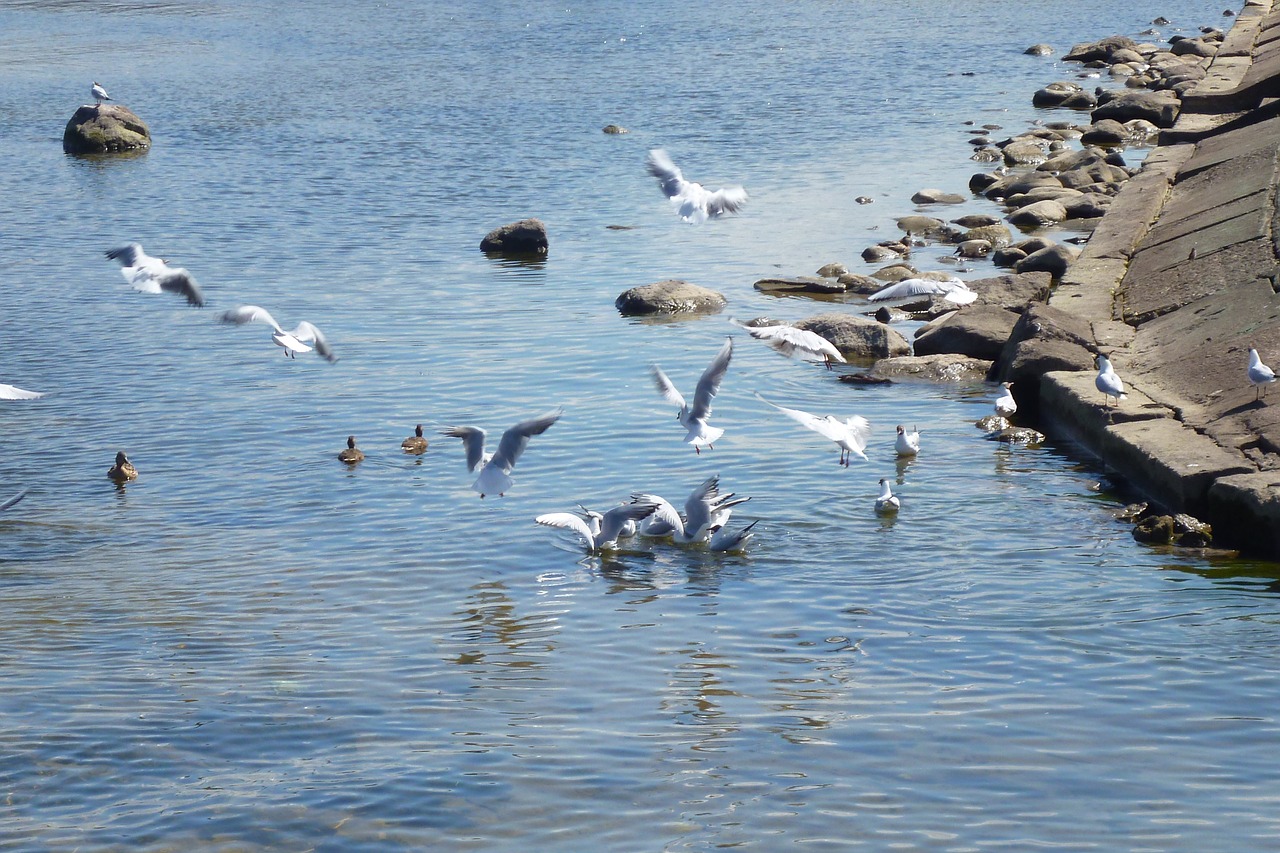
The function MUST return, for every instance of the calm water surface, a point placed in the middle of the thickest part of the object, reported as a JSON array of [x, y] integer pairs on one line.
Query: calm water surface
[[253, 647]]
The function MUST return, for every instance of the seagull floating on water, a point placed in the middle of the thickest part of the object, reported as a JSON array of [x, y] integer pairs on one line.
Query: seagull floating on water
[[13, 500], [694, 418], [693, 201], [600, 532], [850, 434], [99, 94], [1005, 404], [495, 468], [887, 502], [952, 290], [1107, 382], [1260, 376], [706, 512], [723, 539], [13, 392], [153, 275], [907, 443], [789, 340], [293, 342]]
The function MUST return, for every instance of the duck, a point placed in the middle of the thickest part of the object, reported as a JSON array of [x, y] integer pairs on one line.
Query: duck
[[415, 443], [352, 454], [123, 470], [888, 502], [907, 443]]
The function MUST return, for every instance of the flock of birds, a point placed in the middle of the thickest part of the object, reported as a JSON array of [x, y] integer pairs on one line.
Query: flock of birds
[[707, 511]]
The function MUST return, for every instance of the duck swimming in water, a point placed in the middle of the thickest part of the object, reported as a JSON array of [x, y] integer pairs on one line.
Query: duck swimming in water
[[415, 443], [123, 470], [352, 454]]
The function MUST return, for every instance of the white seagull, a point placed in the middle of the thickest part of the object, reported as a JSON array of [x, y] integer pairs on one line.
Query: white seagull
[[1107, 382], [694, 418], [600, 532], [153, 275], [13, 392], [907, 443], [13, 500], [723, 539], [693, 201], [99, 94], [1260, 376], [495, 469], [887, 502], [705, 510], [789, 340], [850, 434], [294, 341], [1005, 404], [952, 290]]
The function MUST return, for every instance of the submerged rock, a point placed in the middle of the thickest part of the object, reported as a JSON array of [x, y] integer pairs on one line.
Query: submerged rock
[[800, 284], [105, 128], [669, 297]]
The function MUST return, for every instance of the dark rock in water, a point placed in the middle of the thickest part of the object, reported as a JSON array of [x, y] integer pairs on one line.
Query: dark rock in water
[[1158, 107], [992, 423], [947, 367], [1193, 47], [879, 254], [864, 199], [1007, 256], [883, 315], [1039, 50], [982, 181], [921, 226], [614, 129], [833, 270], [1191, 532], [1054, 94], [1017, 435], [1107, 132], [1088, 206], [1133, 512], [976, 220], [1155, 530], [857, 336], [800, 284], [105, 128], [977, 331], [1102, 50], [526, 237], [1079, 101], [862, 379], [1055, 260], [669, 297], [933, 196]]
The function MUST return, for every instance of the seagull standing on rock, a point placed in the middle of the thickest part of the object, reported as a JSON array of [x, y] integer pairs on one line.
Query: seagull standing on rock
[[1107, 382], [1260, 376], [1005, 404], [99, 93], [692, 201]]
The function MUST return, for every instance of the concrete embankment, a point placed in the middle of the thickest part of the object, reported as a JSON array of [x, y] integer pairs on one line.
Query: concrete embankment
[[1178, 282]]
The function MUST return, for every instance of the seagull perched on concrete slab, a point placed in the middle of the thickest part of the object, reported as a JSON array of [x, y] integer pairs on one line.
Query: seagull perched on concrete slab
[[692, 201], [952, 290], [495, 469], [294, 341], [850, 434], [1260, 376], [694, 418], [99, 94], [1107, 382], [790, 341], [153, 275]]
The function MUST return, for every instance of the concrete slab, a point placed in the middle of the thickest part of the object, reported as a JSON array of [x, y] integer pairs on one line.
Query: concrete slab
[[1245, 508]]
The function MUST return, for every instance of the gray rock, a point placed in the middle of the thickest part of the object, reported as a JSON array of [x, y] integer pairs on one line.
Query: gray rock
[[1016, 184], [1079, 101], [105, 128], [1013, 292], [977, 331], [614, 129], [1045, 339], [1039, 50], [833, 270], [934, 196], [1054, 94], [1102, 50], [1069, 160], [974, 248], [976, 220], [1054, 260], [1158, 107], [1024, 152], [526, 237], [982, 181], [1062, 194], [1107, 132], [879, 254], [1088, 206], [1007, 256], [856, 336], [1034, 244], [1018, 435], [945, 367], [1193, 47], [669, 297], [863, 284], [1038, 214], [994, 233], [921, 226], [800, 284], [991, 424], [895, 272]]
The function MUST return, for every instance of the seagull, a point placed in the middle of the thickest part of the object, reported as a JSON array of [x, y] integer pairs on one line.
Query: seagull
[[705, 510], [952, 290], [1005, 404], [887, 502], [694, 419], [415, 443], [99, 93], [693, 201], [123, 469], [153, 275], [13, 500], [352, 454], [850, 434], [907, 443], [495, 468], [789, 340], [293, 342], [13, 392], [1107, 382], [731, 540], [600, 532], [1260, 376]]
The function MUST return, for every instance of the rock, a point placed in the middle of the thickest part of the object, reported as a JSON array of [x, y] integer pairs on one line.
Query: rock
[[1013, 292], [1191, 532], [1054, 260], [932, 196], [1045, 339], [1108, 131], [1079, 101], [982, 181], [1039, 50], [992, 423], [864, 199], [976, 220], [921, 226], [1007, 256], [895, 273], [1158, 107], [1193, 47], [834, 270], [526, 237], [879, 254], [852, 282], [1018, 184], [1103, 49], [1062, 194], [1024, 152], [1133, 512], [995, 233], [857, 336], [1038, 214], [1017, 435], [800, 284], [945, 367], [1155, 530], [1088, 206], [862, 379], [1069, 160], [614, 129], [977, 331], [1054, 94], [974, 249], [669, 297], [103, 129]]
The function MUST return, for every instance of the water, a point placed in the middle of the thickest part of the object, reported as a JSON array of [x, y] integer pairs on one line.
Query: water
[[253, 647]]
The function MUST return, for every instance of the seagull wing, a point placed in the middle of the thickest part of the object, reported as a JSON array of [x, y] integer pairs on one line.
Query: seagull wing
[[310, 334], [709, 383], [858, 432], [569, 521], [727, 200], [616, 519], [517, 438], [827, 427], [13, 500], [664, 519], [250, 314], [472, 443], [12, 392], [181, 282], [129, 255], [665, 387], [661, 167], [700, 505]]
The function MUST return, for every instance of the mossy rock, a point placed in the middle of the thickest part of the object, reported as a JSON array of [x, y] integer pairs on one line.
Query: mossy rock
[[105, 129]]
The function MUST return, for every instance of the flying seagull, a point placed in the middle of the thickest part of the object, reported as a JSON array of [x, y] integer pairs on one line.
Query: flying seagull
[[495, 468], [294, 341], [692, 201], [952, 290], [694, 418], [153, 275], [850, 434], [790, 341]]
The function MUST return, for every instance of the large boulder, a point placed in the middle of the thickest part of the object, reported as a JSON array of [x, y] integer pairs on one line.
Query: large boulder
[[1044, 339], [1054, 260], [945, 367], [1013, 292], [669, 297], [856, 336], [1158, 107], [1103, 49], [105, 128], [977, 331], [1038, 214], [802, 284], [526, 237], [935, 196]]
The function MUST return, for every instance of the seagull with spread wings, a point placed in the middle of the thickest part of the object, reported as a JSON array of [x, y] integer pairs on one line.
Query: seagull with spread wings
[[495, 469], [302, 338], [692, 201], [153, 275], [694, 417]]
